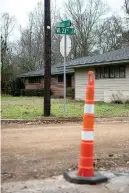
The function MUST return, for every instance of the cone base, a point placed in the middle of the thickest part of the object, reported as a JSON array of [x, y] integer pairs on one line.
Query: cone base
[[73, 178]]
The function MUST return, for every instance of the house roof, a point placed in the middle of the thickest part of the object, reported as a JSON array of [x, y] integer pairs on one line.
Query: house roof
[[116, 56], [113, 57], [54, 71]]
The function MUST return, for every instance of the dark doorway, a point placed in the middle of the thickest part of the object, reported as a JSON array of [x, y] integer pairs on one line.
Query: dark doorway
[[68, 81]]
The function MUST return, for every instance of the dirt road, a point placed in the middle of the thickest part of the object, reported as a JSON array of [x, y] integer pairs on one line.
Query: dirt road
[[39, 151]]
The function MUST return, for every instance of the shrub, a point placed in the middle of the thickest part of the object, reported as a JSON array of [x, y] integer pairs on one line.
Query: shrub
[[70, 92], [119, 98], [32, 92], [127, 101], [15, 86], [9, 88], [22, 92]]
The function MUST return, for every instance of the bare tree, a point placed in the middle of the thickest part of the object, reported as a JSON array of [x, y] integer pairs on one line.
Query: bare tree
[[110, 34], [126, 9], [55, 44], [127, 6], [7, 26], [85, 18], [31, 44]]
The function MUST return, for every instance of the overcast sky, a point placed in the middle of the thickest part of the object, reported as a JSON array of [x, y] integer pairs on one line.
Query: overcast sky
[[21, 8]]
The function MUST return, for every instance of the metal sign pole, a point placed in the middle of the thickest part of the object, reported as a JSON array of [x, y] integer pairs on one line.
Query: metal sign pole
[[65, 73], [64, 27]]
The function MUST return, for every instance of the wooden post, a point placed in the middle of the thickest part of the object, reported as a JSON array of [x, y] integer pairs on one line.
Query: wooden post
[[47, 58]]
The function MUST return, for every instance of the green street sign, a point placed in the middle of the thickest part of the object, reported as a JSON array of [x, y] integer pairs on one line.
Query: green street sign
[[64, 30], [65, 23]]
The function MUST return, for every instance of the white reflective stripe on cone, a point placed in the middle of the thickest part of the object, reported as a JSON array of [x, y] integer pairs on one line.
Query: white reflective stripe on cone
[[87, 135], [89, 108]]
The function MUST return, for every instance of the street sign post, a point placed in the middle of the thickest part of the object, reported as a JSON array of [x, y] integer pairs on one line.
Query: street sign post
[[64, 27], [65, 73]]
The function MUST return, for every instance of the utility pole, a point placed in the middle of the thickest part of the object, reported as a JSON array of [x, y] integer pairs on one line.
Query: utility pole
[[47, 60]]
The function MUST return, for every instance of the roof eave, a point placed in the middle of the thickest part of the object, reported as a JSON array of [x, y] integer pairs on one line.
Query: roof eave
[[97, 64], [42, 75], [32, 75]]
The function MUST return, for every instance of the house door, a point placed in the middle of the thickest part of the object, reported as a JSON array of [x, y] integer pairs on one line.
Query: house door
[[68, 81]]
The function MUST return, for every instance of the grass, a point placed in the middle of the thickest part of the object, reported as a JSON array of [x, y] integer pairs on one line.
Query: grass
[[32, 107]]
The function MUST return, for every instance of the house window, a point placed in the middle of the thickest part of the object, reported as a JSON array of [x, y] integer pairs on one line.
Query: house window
[[33, 80], [101, 72], [110, 72], [122, 72], [106, 72], [97, 73], [60, 78], [117, 72]]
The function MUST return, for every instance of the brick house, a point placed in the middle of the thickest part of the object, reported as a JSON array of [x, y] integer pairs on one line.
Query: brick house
[[35, 80]]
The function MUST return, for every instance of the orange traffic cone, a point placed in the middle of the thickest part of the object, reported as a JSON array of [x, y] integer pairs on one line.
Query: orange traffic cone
[[85, 173], [86, 167]]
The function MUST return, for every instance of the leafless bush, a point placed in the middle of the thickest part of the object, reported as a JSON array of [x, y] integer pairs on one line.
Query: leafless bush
[[119, 98]]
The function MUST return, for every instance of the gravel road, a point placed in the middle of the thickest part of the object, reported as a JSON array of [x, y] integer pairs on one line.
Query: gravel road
[[41, 151]]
